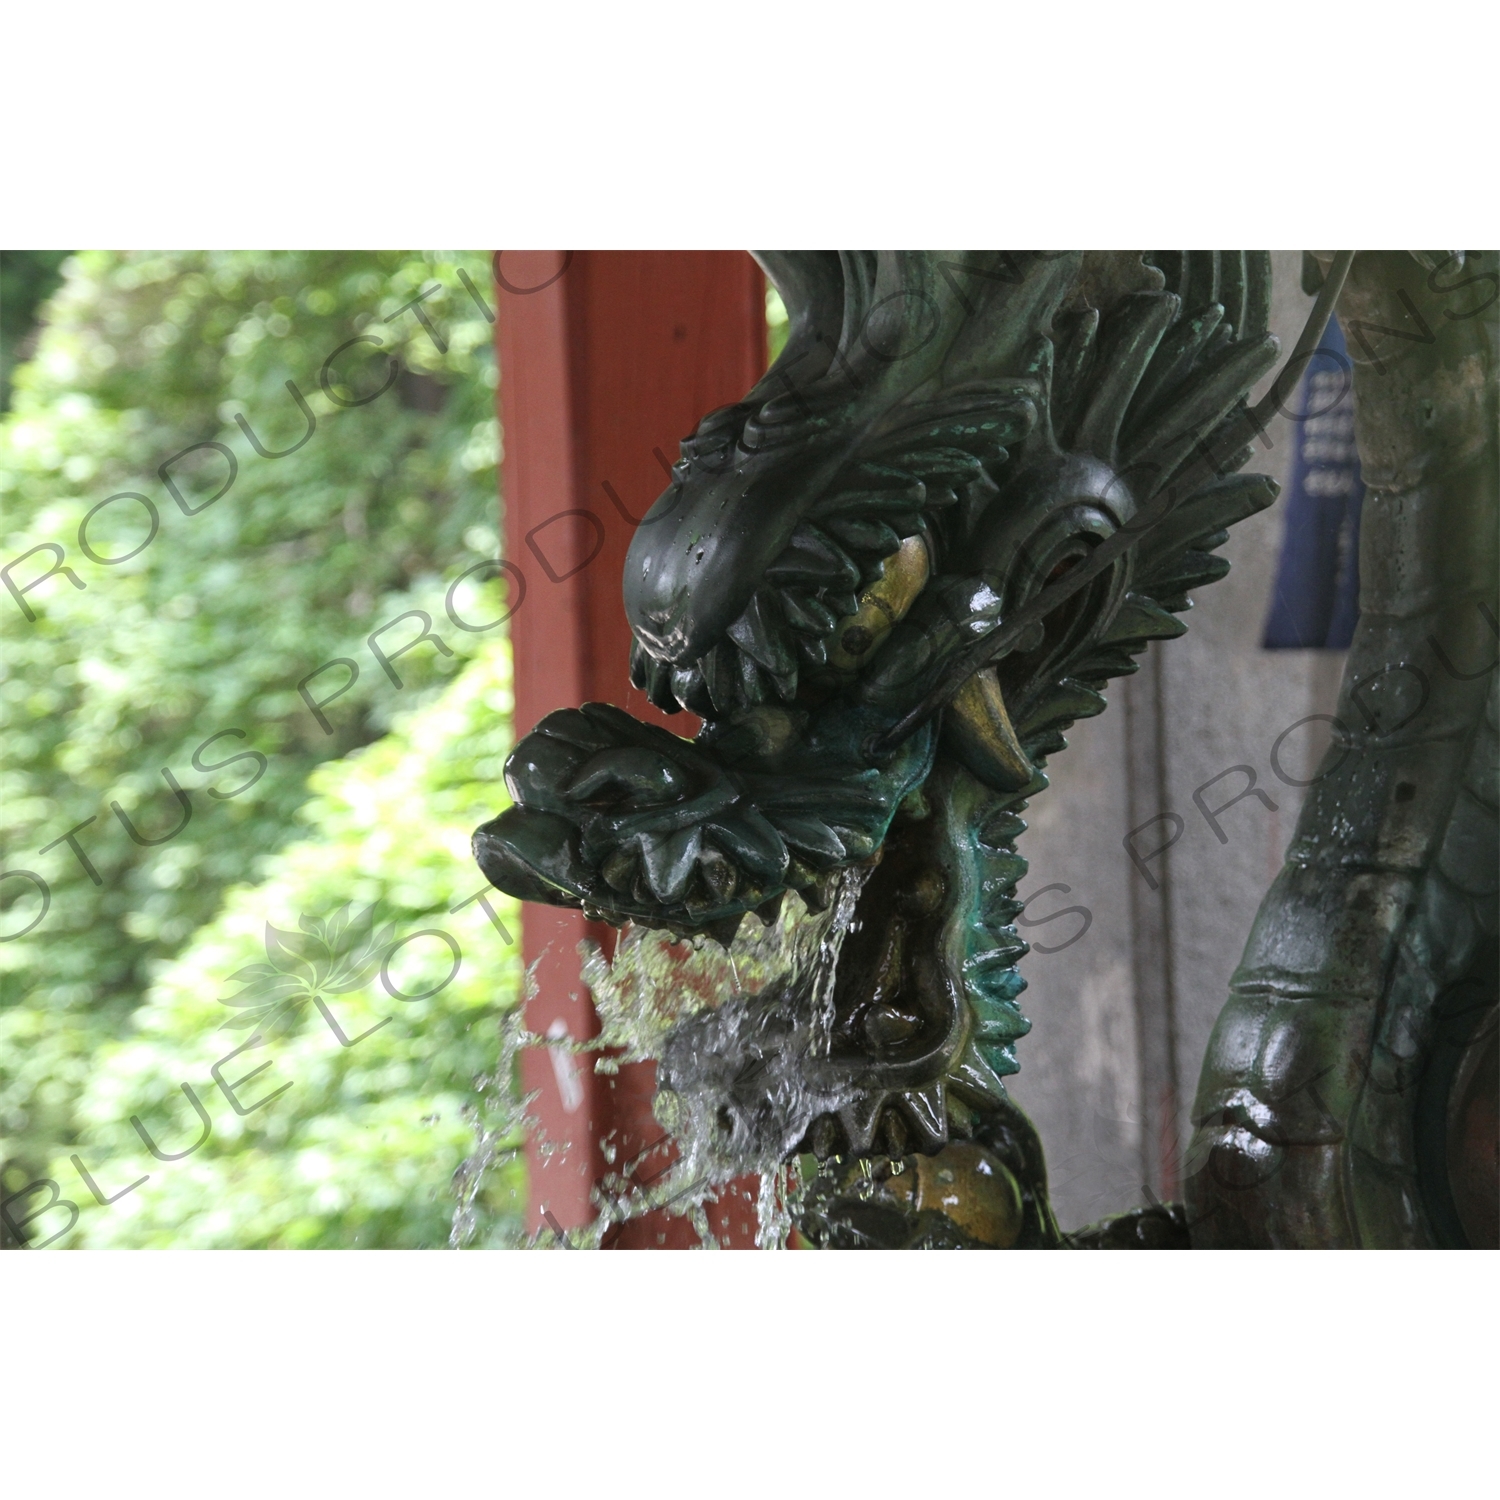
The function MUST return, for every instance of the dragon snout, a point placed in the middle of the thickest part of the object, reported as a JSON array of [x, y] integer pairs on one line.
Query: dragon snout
[[686, 583]]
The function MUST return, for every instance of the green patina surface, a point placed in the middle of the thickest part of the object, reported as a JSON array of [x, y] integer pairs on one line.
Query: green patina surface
[[1047, 445]]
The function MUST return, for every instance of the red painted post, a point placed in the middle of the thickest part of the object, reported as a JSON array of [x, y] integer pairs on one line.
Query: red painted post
[[607, 359]]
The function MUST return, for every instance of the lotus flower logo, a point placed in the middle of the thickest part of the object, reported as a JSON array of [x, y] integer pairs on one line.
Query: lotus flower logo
[[329, 957]]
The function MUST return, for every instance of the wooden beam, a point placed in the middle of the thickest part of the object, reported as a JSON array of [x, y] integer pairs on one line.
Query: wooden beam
[[607, 359]]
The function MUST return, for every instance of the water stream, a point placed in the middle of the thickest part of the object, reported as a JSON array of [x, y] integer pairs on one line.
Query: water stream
[[737, 1036]]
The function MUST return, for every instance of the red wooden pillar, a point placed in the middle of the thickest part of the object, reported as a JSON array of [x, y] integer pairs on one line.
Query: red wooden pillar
[[607, 359]]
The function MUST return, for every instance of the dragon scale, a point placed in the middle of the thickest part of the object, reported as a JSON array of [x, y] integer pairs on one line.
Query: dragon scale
[[1368, 986]]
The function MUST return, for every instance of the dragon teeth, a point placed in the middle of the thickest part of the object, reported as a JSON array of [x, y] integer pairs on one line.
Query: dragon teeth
[[807, 614], [811, 556], [758, 636], [865, 535]]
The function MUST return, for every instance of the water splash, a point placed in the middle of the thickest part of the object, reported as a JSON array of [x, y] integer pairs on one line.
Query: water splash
[[500, 1120], [732, 1031]]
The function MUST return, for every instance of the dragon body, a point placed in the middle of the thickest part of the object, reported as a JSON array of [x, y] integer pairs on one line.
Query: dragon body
[[1347, 1096], [973, 487]]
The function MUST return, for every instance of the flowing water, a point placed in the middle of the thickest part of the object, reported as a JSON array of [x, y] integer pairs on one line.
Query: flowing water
[[499, 1120], [737, 1035]]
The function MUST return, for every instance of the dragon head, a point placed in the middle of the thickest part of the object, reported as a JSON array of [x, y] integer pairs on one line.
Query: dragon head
[[942, 437], [971, 489]]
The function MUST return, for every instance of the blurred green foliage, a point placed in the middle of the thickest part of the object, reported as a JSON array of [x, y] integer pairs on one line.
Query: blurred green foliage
[[361, 1148], [778, 325], [27, 279], [206, 630]]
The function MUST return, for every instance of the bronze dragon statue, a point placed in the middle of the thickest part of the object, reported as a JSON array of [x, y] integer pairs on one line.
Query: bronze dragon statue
[[972, 488], [1348, 1093]]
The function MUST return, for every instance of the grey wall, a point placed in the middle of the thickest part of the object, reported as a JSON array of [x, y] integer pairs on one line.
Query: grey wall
[[1121, 1016]]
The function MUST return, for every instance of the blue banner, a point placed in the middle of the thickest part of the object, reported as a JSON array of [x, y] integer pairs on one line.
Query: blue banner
[[1316, 598]]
